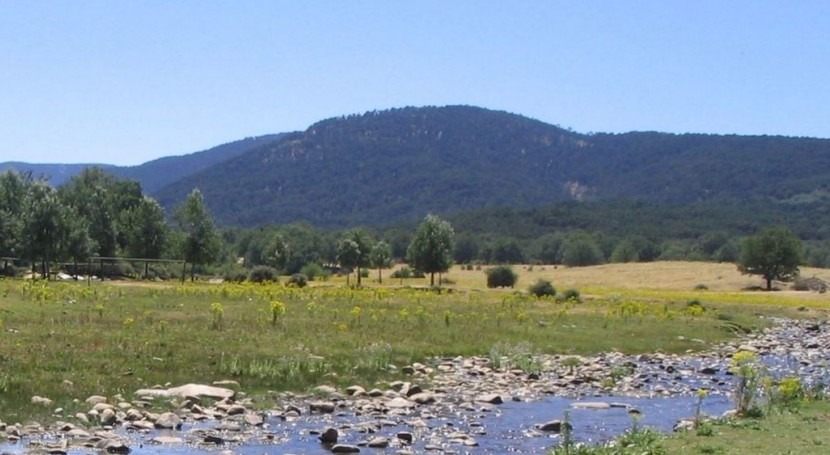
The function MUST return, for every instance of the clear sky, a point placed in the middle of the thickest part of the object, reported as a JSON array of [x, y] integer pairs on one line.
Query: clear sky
[[124, 82]]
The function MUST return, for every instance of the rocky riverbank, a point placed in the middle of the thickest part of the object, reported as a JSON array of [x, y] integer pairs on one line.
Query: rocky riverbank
[[446, 406]]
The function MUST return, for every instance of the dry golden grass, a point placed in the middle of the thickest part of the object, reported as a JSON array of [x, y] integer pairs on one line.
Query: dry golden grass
[[674, 275]]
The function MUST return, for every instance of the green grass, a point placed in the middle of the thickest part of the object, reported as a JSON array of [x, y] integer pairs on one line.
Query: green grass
[[800, 431], [67, 341]]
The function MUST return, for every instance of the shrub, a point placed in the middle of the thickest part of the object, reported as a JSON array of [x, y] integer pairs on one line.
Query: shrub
[[542, 288], [234, 274], [364, 273], [571, 295], [447, 280], [403, 272], [263, 274], [501, 277], [313, 270], [298, 279]]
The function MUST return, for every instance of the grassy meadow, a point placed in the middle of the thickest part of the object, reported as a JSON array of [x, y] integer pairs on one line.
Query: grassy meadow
[[66, 341]]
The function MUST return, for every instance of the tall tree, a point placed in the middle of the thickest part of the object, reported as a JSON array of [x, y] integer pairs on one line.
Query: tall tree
[[431, 248], [145, 231], [46, 226], [101, 199], [775, 254], [14, 189], [354, 250], [200, 243], [381, 258]]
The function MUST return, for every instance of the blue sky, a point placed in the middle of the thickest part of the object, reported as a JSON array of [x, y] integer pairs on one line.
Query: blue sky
[[124, 82]]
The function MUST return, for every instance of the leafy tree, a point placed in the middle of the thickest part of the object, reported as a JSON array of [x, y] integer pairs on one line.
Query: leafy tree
[[146, 231], [381, 258], [775, 254], [580, 250], [201, 243], [80, 246], [549, 248], [279, 251], [431, 249], [46, 224], [14, 189], [354, 251], [502, 276], [506, 251], [102, 200], [625, 251]]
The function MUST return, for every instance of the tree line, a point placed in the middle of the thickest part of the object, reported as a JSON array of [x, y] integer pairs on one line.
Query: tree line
[[98, 215]]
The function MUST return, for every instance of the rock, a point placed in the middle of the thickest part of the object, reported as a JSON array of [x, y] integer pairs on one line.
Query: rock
[[236, 409], [323, 407], [213, 439], [405, 436], [188, 390], [95, 399], [554, 426], [378, 443], [167, 440], [590, 405], [423, 398], [82, 417], [168, 420], [38, 400], [399, 403], [325, 390], [355, 390], [491, 398], [253, 420], [226, 383], [107, 417], [344, 448], [329, 436], [684, 425]]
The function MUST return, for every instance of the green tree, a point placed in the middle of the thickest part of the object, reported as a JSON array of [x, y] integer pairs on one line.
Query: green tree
[[381, 258], [775, 254], [46, 227], [102, 200], [431, 248], [14, 189], [146, 231], [580, 249], [201, 243], [354, 251]]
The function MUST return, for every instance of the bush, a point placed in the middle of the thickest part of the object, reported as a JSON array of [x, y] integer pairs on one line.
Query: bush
[[501, 277], [447, 280], [234, 274], [403, 272], [313, 270], [364, 273], [298, 279], [542, 288], [571, 295], [263, 274]]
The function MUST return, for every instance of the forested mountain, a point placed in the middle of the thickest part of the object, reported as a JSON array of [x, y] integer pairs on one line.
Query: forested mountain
[[152, 175], [390, 167], [159, 173]]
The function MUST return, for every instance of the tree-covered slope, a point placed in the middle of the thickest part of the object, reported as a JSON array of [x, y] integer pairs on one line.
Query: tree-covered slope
[[387, 167], [161, 172]]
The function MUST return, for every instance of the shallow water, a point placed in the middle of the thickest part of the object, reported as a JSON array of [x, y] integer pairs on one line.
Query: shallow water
[[508, 428]]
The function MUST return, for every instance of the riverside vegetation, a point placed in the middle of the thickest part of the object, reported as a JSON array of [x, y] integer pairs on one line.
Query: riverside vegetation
[[67, 341]]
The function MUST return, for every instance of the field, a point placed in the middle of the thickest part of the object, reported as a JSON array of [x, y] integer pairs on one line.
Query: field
[[66, 341]]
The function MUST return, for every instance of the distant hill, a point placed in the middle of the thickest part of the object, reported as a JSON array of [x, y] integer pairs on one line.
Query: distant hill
[[155, 174], [390, 167], [159, 173]]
